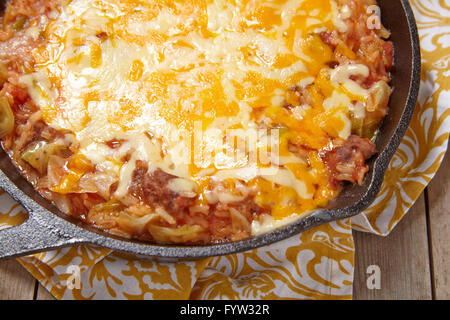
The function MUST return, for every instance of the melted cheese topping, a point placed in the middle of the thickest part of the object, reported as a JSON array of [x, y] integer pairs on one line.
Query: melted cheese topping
[[173, 80]]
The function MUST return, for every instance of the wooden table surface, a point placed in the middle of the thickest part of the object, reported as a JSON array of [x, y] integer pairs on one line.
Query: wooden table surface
[[413, 260]]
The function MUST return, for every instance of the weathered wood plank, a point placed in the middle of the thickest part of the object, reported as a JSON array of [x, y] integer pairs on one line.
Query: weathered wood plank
[[402, 258], [43, 294], [439, 229], [15, 282]]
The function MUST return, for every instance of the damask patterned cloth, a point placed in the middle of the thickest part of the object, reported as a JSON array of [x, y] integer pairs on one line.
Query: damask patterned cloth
[[317, 264]]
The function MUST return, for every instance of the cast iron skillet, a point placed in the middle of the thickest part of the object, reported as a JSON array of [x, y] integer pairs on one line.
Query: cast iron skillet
[[47, 228]]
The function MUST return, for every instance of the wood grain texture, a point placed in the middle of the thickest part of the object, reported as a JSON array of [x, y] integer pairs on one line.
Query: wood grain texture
[[15, 282], [439, 229], [402, 257], [43, 294]]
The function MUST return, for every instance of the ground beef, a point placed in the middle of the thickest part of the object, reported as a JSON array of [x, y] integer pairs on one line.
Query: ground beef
[[346, 162], [151, 188]]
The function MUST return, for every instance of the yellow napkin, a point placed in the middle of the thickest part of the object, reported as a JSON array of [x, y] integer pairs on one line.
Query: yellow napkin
[[317, 264]]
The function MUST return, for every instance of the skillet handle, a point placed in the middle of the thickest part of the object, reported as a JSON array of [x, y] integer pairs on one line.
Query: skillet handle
[[42, 230], [28, 238]]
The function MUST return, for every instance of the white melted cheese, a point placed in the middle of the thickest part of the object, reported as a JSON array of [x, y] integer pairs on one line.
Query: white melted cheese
[[268, 223], [341, 76]]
